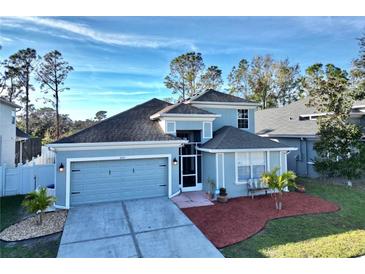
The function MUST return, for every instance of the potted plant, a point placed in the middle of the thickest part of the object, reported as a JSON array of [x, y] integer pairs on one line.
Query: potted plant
[[37, 202], [222, 196], [278, 184]]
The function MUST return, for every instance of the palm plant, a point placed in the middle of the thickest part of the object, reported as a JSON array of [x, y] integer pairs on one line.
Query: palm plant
[[278, 183], [37, 202]]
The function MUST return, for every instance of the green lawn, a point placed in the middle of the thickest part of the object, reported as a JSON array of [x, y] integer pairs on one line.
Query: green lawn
[[338, 234], [12, 212]]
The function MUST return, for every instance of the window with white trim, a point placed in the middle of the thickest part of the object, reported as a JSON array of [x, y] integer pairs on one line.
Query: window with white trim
[[242, 118], [243, 167], [170, 127], [250, 165], [207, 130]]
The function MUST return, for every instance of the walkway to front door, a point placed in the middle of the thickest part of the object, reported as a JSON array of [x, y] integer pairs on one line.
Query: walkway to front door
[[192, 199], [136, 228]]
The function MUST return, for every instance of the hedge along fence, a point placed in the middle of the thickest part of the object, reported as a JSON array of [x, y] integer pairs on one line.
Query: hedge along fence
[[25, 179]]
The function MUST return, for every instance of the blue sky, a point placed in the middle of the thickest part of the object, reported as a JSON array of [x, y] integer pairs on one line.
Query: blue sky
[[122, 61]]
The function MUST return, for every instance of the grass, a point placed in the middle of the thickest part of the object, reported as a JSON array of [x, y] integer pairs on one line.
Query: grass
[[11, 212], [338, 234]]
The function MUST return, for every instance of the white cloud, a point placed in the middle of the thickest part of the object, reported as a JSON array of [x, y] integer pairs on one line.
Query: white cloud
[[330, 24], [4, 40], [87, 32]]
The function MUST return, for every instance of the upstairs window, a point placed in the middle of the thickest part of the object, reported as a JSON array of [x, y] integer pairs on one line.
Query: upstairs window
[[242, 118]]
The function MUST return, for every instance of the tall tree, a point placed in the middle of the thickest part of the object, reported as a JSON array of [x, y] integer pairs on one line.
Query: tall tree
[[238, 80], [100, 115], [10, 85], [287, 82], [185, 72], [261, 81], [51, 74], [24, 62], [358, 71], [211, 79], [339, 149]]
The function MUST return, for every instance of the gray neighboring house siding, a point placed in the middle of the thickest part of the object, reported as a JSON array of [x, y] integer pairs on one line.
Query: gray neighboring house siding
[[285, 125], [301, 161]]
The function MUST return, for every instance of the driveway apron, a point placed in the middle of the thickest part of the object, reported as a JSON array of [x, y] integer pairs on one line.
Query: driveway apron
[[152, 227]]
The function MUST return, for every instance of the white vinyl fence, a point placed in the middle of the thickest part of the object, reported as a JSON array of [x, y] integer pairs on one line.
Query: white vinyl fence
[[26, 178], [46, 157]]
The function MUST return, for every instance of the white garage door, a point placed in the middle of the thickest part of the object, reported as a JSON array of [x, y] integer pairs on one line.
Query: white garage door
[[103, 181]]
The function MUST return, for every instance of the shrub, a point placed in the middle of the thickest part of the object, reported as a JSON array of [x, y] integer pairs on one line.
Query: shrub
[[278, 183], [37, 202]]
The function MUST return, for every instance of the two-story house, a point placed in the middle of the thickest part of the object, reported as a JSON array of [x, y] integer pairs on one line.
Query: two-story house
[[7, 132], [160, 149]]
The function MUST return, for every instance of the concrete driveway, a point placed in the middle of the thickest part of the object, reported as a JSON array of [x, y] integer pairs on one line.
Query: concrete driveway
[[131, 229]]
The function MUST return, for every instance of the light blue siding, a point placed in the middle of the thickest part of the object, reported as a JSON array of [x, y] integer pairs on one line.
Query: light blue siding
[[229, 118], [233, 189], [103, 181], [61, 157], [192, 125], [208, 170]]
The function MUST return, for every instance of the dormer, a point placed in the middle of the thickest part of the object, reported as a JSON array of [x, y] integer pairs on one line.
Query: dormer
[[185, 117], [234, 111]]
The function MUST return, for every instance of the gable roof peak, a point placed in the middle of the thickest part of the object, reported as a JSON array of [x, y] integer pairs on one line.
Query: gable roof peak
[[214, 96]]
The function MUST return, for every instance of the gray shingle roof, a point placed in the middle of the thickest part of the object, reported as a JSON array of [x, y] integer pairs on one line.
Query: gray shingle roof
[[284, 121], [183, 108], [128, 126], [212, 95], [229, 137], [22, 134]]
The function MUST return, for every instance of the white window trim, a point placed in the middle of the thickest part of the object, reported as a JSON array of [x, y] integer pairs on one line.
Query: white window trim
[[69, 161], [210, 132], [170, 122], [267, 163], [248, 119]]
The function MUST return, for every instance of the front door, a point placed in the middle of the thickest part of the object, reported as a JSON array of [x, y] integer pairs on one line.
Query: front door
[[190, 163]]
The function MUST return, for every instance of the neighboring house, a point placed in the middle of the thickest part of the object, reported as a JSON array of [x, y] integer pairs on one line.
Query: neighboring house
[[295, 125], [7, 132], [159, 149]]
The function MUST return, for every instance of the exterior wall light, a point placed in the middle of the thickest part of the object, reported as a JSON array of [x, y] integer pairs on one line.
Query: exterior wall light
[[61, 168], [174, 162]]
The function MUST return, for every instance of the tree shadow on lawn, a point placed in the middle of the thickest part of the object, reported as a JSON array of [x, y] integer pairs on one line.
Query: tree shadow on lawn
[[296, 229]]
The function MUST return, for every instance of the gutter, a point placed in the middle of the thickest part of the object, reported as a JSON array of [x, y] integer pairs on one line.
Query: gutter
[[246, 149], [114, 145]]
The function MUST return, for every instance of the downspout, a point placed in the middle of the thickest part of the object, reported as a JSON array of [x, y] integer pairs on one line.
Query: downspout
[[306, 158]]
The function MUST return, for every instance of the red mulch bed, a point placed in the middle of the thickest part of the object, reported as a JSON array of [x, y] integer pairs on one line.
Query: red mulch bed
[[241, 218]]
